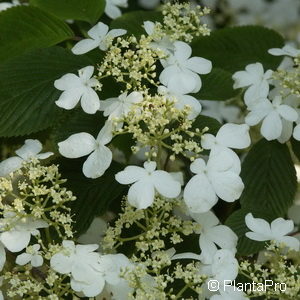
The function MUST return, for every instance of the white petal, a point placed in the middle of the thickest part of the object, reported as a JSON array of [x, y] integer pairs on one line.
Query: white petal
[[37, 261], [105, 134], [187, 100], [199, 65], [296, 135], [149, 27], [182, 51], [272, 126], [208, 141], [62, 263], [227, 185], [85, 46], [234, 136], [77, 145], [2, 256], [10, 165], [15, 241], [287, 130], [150, 166], [131, 174], [44, 155], [117, 32], [259, 226], [291, 242], [23, 259], [165, 184], [98, 162], [208, 249], [86, 73], [99, 31], [29, 149], [186, 255], [141, 194], [223, 236], [112, 11], [69, 99], [287, 112], [90, 101], [199, 195], [67, 82], [280, 227], [198, 166], [206, 220]]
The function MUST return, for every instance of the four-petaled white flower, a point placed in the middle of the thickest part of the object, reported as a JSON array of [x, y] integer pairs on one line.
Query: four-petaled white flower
[[83, 143], [30, 149], [146, 181], [277, 231], [256, 80], [182, 100], [211, 234], [218, 178], [118, 107], [78, 88], [32, 255], [287, 50], [273, 114], [100, 36], [20, 230], [83, 264], [181, 71], [112, 8]]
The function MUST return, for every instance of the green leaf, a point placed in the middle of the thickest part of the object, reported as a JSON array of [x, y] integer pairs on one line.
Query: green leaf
[[93, 195], [295, 147], [27, 92], [217, 85], [236, 222], [269, 176], [232, 49], [84, 10], [203, 121], [133, 21], [25, 28]]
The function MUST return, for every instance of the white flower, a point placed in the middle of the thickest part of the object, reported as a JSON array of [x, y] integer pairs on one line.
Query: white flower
[[112, 8], [30, 149], [99, 37], [83, 264], [277, 231], [119, 107], [2, 256], [212, 234], [182, 100], [6, 5], [220, 111], [145, 182], [287, 50], [32, 255], [272, 115], [83, 143], [217, 178], [180, 72], [78, 88], [255, 79], [164, 44], [18, 236]]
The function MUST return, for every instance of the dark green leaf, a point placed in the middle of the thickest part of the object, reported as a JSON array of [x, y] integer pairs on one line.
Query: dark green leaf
[[203, 121], [296, 147], [93, 195], [236, 222], [232, 49], [133, 21], [27, 92], [269, 176], [217, 85], [25, 28], [84, 10]]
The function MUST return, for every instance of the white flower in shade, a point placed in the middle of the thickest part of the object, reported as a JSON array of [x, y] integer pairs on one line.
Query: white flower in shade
[[229, 292], [18, 236], [213, 234], [181, 71], [181, 100], [78, 88], [217, 178], [256, 80], [287, 50], [164, 44], [276, 231], [83, 264], [146, 181], [30, 149], [2, 256], [83, 143], [149, 4], [100, 36], [112, 8], [272, 115], [32, 255], [220, 111], [119, 107], [235, 136]]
